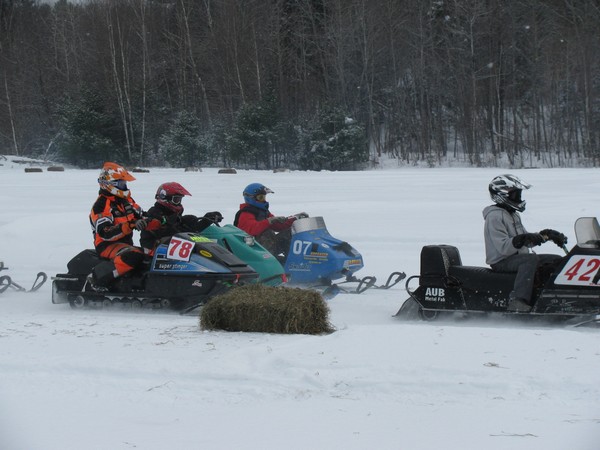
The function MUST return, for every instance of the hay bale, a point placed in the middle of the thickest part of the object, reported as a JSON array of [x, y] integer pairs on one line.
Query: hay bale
[[230, 170], [267, 309], [33, 169], [193, 169], [55, 169], [140, 170]]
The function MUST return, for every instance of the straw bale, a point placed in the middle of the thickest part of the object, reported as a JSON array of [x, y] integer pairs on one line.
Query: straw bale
[[267, 309]]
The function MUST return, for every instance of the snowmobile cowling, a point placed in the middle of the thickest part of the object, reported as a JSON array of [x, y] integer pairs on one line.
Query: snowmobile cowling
[[317, 257], [269, 269]]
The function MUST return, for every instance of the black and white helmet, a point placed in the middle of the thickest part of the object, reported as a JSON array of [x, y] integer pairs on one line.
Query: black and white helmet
[[506, 190]]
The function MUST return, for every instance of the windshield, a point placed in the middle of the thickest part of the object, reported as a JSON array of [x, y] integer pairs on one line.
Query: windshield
[[587, 231]]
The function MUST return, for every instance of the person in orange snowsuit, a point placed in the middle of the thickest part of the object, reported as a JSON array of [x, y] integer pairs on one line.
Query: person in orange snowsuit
[[113, 218]]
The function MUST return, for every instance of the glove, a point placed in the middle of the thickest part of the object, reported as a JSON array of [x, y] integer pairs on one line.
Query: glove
[[140, 224], [276, 219], [528, 240], [555, 236], [213, 216], [153, 225], [301, 215], [189, 222], [173, 220]]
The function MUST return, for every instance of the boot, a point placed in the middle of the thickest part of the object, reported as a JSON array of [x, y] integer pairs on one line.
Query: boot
[[93, 283], [102, 276]]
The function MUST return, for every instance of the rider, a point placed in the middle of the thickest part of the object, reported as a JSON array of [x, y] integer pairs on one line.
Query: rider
[[272, 232], [508, 244], [167, 213], [113, 218]]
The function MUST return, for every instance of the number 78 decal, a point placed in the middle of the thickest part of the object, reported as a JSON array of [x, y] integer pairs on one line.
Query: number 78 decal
[[180, 249], [579, 270]]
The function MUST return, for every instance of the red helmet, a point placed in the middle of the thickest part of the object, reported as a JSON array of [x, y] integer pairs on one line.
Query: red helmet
[[113, 178], [170, 194]]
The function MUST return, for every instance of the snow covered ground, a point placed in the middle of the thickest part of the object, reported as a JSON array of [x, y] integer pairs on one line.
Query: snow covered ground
[[73, 379]]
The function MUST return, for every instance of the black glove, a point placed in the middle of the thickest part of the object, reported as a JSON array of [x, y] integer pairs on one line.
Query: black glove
[[174, 220], [213, 216], [277, 219], [555, 236], [188, 223], [301, 215], [527, 240], [140, 224]]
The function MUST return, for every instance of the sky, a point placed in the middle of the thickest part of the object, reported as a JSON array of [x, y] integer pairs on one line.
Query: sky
[[93, 379]]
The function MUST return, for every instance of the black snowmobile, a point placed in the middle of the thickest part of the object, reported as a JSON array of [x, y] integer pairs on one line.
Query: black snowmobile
[[183, 274], [569, 291]]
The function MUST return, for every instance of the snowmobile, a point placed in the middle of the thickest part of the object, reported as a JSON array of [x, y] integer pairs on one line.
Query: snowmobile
[[185, 271], [7, 282], [567, 292], [269, 269], [316, 259]]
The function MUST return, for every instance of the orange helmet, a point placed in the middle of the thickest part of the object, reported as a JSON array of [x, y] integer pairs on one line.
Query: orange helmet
[[113, 178]]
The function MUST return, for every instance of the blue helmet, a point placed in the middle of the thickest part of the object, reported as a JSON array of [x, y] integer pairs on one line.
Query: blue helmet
[[255, 194]]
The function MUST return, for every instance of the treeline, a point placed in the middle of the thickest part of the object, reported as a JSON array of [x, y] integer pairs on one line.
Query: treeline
[[311, 84]]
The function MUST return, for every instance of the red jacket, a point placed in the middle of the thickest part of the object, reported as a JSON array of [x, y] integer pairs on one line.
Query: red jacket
[[254, 221]]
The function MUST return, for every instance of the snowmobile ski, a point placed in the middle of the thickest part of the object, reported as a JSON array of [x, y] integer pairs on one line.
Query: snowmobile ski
[[369, 282], [7, 282]]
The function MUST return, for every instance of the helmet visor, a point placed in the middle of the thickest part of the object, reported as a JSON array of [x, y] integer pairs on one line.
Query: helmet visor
[[176, 199], [119, 184], [515, 195]]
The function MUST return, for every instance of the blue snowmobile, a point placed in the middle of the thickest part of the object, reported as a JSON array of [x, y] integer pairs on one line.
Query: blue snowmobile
[[184, 272], [316, 259]]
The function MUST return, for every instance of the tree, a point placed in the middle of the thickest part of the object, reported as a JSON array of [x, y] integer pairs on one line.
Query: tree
[[85, 139], [338, 142], [182, 145], [253, 139]]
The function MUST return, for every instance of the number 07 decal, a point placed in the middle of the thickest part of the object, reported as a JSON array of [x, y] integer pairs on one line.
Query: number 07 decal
[[579, 270], [180, 249]]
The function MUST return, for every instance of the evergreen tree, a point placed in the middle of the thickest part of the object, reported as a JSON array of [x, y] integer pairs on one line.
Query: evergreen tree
[[336, 143], [183, 144], [254, 135], [85, 134]]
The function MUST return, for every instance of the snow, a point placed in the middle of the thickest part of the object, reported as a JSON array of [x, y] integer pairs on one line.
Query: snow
[[73, 379]]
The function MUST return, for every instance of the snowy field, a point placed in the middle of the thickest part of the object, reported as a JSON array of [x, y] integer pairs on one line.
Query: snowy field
[[74, 379]]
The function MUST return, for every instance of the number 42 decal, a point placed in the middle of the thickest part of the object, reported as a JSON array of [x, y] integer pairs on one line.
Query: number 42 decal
[[180, 249], [579, 270]]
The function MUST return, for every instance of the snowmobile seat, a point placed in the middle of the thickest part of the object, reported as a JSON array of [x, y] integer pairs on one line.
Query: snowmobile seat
[[84, 262], [482, 279], [436, 261]]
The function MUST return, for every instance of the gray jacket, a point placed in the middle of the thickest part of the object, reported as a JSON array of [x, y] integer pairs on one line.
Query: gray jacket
[[500, 228]]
